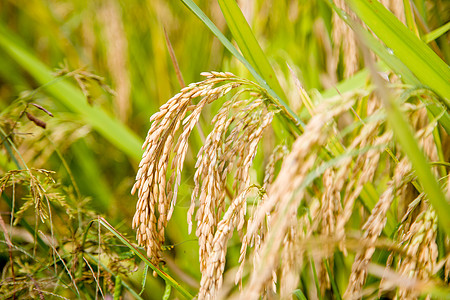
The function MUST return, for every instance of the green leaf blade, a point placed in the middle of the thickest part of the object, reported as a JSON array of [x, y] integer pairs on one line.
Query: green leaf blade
[[229, 46], [413, 52], [420, 164], [72, 98], [248, 44]]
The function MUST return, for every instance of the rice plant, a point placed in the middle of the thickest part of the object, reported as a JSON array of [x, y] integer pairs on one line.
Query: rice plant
[[308, 158]]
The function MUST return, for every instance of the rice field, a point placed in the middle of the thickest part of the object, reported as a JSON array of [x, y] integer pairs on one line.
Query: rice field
[[224, 150]]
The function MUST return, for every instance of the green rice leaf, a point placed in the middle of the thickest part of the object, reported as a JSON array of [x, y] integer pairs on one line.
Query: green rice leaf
[[409, 16], [169, 280], [299, 294], [334, 286], [104, 267], [391, 61], [406, 46], [419, 162], [72, 98], [429, 37], [229, 46], [248, 44]]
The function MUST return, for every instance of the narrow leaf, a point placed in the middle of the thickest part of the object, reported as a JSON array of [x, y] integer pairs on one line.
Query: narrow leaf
[[68, 95], [394, 63], [413, 52], [201, 15], [410, 146], [299, 294], [248, 44], [429, 37], [420, 164], [164, 275]]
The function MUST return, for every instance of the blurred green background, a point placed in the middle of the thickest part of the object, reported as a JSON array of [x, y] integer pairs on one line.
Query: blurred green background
[[123, 42]]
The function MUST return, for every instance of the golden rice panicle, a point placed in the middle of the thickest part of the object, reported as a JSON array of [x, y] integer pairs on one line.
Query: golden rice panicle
[[278, 154], [208, 153], [229, 148], [372, 229], [293, 249], [345, 41], [330, 203], [150, 180], [289, 275], [251, 241], [156, 195], [213, 165], [421, 250], [212, 278], [281, 203], [115, 37], [330, 206], [348, 176], [254, 240], [362, 172]]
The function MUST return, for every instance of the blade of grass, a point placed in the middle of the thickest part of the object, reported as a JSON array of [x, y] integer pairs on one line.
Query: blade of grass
[[167, 292], [174, 60], [164, 275], [66, 93], [392, 62], [144, 279], [334, 286], [299, 294], [409, 16], [405, 137], [429, 37], [316, 279], [128, 287], [229, 46], [248, 44], [118, 288], [413, 52], [420, 164]]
